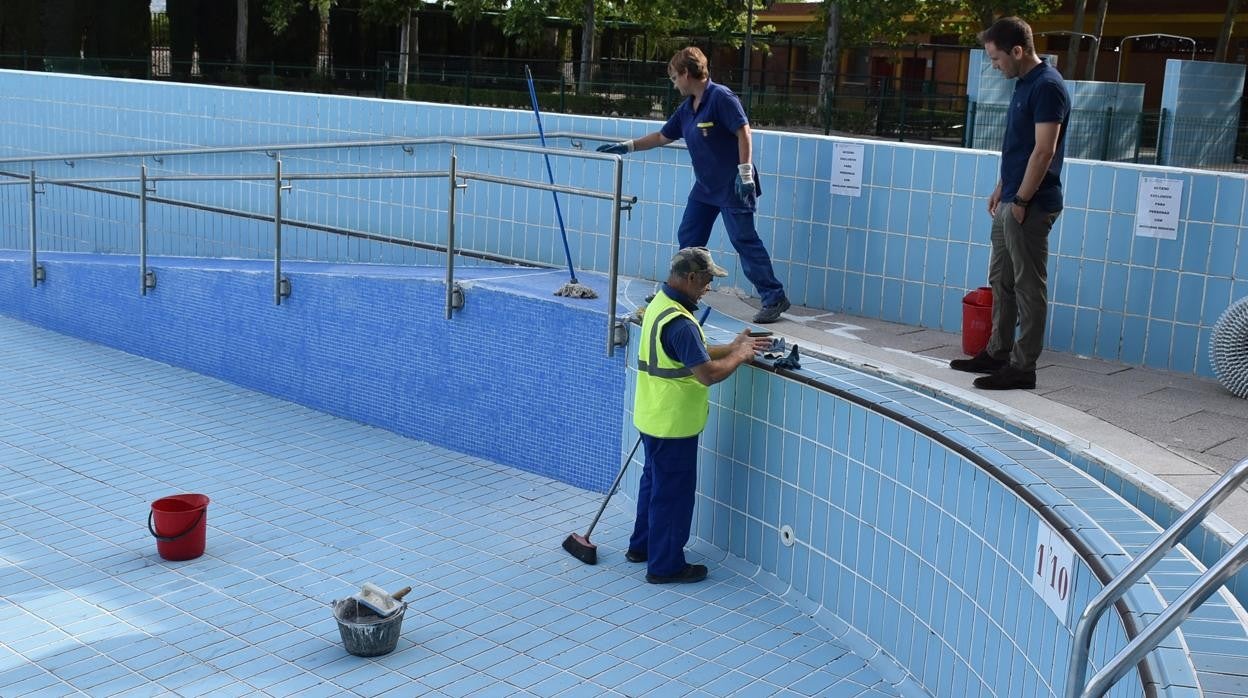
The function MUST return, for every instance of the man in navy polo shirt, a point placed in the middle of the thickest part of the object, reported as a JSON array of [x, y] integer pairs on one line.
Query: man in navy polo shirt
[[717, 134], [1023, 206]]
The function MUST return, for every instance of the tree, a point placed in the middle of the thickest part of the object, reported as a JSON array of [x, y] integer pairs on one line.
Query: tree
[[1102, 8], [1076, 40], [392, 13], [1228, 26], [987, 11], [857, 22], [240, 34], [587, 49]]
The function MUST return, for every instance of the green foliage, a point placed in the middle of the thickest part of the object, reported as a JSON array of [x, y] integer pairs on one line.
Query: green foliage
[[524, 21], [278, 13], [387, 13]]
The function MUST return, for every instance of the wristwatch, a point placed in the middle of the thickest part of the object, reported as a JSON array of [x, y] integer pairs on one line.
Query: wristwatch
[[1020, 201]]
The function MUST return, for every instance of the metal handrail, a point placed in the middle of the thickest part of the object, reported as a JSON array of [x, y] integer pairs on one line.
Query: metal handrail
[[281, 285], [1175, 614], [272, 150], [1125, 39]]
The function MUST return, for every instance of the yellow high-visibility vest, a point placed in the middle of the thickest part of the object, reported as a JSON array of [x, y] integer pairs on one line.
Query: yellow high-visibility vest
[[670, 403]]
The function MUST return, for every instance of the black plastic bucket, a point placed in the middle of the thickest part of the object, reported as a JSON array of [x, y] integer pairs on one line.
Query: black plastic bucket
[[364, 633]]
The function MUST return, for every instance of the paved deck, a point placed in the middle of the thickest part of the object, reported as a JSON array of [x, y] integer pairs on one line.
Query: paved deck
[[304, 508], [1182, 429]]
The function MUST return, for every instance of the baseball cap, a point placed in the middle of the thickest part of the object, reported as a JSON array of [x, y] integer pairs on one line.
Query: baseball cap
[[696, 259]]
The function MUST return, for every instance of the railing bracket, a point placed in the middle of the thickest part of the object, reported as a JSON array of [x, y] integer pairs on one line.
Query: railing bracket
[[457, 297], [149, 279], [283, 287], [408, 149], [40, 274], [620, 333]]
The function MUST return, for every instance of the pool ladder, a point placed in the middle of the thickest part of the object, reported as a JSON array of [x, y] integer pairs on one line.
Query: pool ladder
[[1148, 639]]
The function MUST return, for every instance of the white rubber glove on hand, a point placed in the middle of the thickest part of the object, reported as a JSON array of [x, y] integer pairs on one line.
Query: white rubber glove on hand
[[745, 181]]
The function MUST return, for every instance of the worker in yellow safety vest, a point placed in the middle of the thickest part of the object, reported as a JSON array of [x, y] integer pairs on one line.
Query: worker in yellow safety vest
[[675, 366]]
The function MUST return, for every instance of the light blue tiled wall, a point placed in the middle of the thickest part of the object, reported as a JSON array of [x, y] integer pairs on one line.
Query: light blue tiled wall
[[1201, 100], [371, 345], [906, 250], [902, 538]]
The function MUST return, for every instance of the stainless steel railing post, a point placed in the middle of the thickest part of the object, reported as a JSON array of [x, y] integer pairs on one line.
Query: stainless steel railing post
[[36, 271], [281, 287], [1171, 618], [451, 236], [1082, 641], [143, 282], [613, 263], [451, 287]]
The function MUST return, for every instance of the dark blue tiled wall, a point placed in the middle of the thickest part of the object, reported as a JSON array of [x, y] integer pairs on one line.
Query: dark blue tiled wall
[[517, 376]]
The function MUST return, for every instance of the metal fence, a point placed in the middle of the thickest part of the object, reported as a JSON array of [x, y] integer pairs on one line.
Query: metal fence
[[1149, 137], [863, 105]]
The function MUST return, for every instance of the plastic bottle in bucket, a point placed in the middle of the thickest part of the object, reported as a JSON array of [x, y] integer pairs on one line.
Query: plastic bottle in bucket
[[179, 524]]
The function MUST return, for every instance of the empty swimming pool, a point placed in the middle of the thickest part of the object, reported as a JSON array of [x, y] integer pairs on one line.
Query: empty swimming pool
[[865, 538]]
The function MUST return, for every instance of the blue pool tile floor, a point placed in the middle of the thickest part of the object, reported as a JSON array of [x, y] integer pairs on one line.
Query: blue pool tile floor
[[305, 507]]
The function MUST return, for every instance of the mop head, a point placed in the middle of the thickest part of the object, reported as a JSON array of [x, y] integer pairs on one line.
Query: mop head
[[579, 547], [573, 289]]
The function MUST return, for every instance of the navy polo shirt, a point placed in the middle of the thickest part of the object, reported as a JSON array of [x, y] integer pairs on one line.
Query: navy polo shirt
[[1040, 97], [681, 338], [710, 133]]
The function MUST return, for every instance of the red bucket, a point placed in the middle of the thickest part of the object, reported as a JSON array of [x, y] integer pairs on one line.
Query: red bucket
[[179, 524], [976, 320]]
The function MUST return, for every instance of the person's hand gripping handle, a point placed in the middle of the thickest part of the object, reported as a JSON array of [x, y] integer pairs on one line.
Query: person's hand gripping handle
[[745, 182], [621, 148]]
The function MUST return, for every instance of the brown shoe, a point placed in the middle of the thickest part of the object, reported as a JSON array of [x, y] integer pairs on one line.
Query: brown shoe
[[1008, 378], [980, 363]]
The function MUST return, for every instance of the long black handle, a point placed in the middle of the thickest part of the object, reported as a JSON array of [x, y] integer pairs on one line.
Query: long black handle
[[614, 486]]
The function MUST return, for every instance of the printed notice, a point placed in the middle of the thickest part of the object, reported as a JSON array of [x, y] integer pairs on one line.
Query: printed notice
[[1052, 570], [1157, 209], [847, 168]]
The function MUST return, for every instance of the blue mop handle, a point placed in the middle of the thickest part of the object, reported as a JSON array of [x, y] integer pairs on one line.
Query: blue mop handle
[[550, 173]]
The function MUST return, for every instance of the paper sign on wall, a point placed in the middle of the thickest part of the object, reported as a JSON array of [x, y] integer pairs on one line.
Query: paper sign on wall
[[1052, 570], [847, 168], [1157, 209]]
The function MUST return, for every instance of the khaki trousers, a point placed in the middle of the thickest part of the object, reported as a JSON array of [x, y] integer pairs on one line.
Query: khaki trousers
[[1018, 274]]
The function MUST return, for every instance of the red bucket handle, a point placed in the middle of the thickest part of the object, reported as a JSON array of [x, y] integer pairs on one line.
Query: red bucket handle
[[168, 539]]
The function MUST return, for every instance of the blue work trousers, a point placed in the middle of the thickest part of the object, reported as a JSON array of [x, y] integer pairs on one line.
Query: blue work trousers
[[665, 503], [695, 231]]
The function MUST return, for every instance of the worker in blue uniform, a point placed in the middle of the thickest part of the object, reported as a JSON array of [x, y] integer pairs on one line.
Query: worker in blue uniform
[[675, 368], [717, 134]]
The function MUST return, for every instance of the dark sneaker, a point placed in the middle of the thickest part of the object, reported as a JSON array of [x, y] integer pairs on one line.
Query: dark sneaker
[[771, 313], [980, 363], [1008, 378], [691, 573], [635, 556]]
